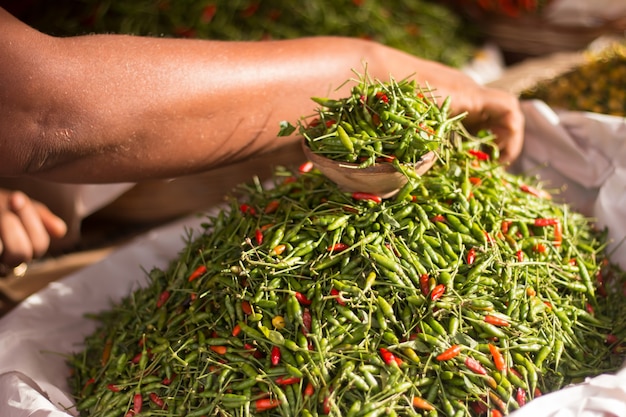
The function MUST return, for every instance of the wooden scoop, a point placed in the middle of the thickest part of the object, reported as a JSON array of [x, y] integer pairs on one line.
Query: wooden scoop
[[381, 179]]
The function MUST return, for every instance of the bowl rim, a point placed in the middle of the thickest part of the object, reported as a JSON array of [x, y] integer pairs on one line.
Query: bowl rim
[[379, 167]]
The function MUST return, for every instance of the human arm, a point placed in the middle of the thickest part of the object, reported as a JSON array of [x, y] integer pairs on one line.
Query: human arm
[[103, 108], [26, 228]]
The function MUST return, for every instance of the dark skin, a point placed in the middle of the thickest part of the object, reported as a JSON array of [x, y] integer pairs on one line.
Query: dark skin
[[110, 108]]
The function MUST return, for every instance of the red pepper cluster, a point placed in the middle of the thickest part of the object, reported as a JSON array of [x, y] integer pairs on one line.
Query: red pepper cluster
[[510, 8]]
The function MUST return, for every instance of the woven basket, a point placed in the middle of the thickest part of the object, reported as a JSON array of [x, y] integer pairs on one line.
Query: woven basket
[[531, 36]]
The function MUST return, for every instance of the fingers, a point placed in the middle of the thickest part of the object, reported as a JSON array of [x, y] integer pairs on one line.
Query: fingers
[[17, 246], [54, 225], [500, 113], [26, 227]]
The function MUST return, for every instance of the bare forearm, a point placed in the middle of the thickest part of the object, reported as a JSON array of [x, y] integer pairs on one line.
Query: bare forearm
[[118, 108]]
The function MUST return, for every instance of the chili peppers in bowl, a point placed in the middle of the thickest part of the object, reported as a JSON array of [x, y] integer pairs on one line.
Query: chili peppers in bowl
[[378, 137]]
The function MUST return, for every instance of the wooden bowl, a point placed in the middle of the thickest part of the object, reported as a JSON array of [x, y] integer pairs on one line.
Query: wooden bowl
[[381, 179]]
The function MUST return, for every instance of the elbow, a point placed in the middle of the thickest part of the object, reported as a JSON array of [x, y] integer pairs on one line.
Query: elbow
[[30, 147]]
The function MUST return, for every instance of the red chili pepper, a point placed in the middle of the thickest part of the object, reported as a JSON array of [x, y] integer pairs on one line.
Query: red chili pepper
[[337, 294], [255, 352], [106, 352], [306, 167], [495, 413], [480, 155], [165, 295], [475, 366], [543, 222], [309, 390], [271, 207], [326, 405], [113, 387], [157, 400], [425, 284], [535, 192], [136, 358], [382, 97], [137, 403], [337, 247], [219, 349], [515, 372], [540, 248], [287, 380], [496, 321], [264, 404], [611, 339], [87, 383], [520, 256], [558, 235], [426, 128], [498, 358], [422, 404], [168, 381], [520, 396], [437, 292], [471, 256], [313, 123], [479, 407], [208, 13], [247, 209], [258, 235], [306, 321], [302, 299], [504, 227], [250, 10], [275, 356], [279, 249], [475, 180], [450, 353], [199, 271], [236, 330], [388, 357], [246, 307], [438, 218], [387, 159], [367, 196]]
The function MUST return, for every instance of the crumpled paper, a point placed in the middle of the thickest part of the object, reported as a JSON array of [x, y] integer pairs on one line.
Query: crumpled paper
[[582, 153]]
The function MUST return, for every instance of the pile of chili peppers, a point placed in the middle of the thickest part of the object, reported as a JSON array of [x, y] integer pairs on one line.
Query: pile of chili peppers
[[424, 28], [510, 8], [469, 293]]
